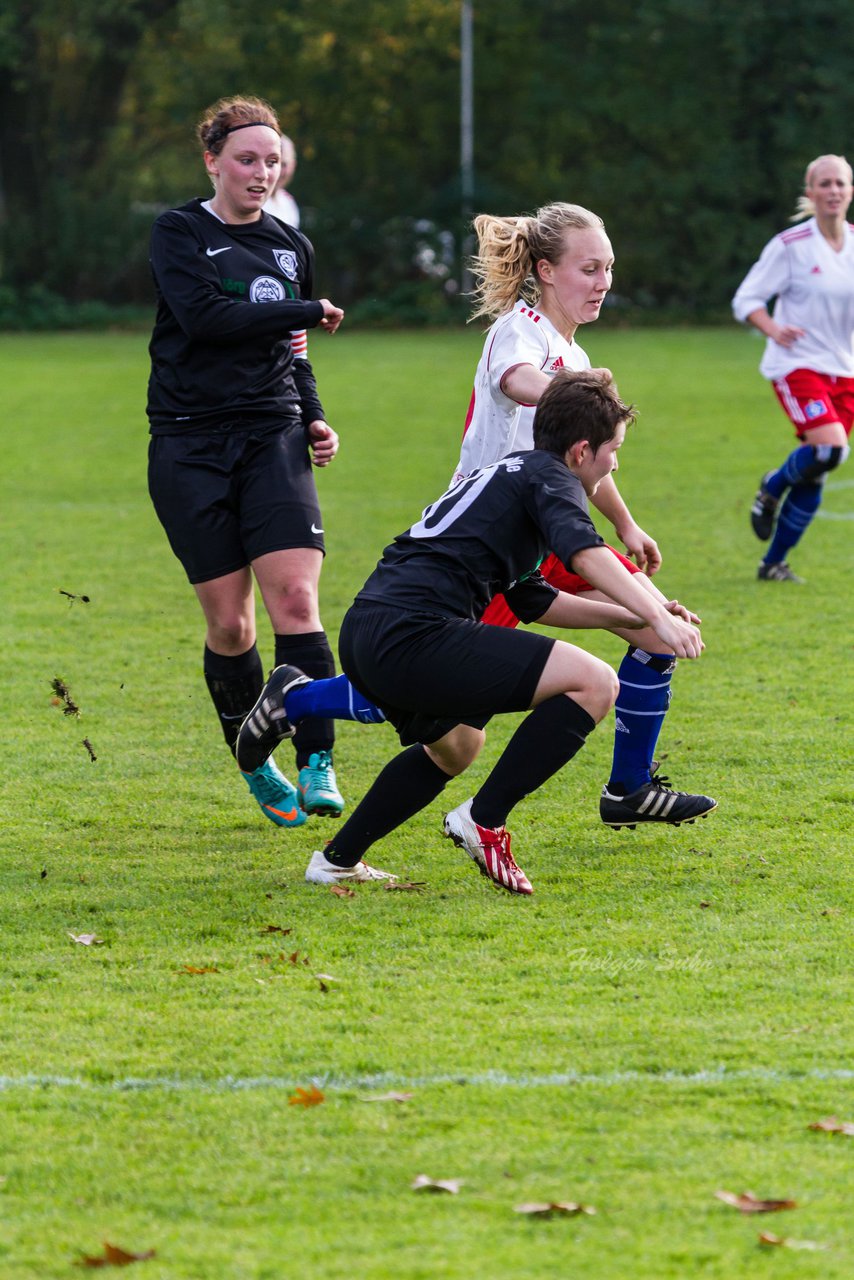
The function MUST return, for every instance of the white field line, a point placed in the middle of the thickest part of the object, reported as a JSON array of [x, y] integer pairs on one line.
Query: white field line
[[833, 486], [390, 1080]]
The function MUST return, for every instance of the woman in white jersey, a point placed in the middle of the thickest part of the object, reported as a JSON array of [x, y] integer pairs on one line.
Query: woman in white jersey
[[809, 356], [539, 278]]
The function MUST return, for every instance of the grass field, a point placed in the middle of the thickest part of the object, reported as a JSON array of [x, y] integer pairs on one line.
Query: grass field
[[663, 1019]]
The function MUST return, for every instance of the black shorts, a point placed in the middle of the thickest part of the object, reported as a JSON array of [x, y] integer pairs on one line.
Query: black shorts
[[429, 674], [227, 496]]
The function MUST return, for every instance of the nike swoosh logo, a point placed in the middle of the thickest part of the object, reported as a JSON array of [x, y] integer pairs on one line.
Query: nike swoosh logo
[[211, 253], [314, 529], [288, 817]]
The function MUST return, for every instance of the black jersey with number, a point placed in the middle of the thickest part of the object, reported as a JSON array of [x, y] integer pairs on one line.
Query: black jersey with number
[[488, 533], [228, 298]]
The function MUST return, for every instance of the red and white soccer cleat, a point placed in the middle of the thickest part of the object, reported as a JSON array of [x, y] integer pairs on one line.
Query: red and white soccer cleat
[[488, 848]]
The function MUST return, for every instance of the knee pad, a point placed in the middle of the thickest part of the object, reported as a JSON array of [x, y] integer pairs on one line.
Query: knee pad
[[826, 457]]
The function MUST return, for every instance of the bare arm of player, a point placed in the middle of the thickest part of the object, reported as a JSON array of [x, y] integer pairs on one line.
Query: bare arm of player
[[601, 568], [641, 547], [783, 334], [525, 384], [579, 613]]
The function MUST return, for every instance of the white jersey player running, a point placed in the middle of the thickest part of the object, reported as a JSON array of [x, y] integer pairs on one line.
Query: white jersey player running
[[809, 355]]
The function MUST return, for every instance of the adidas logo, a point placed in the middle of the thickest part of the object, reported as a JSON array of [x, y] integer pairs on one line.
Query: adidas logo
[[556, 364], [620, 727]]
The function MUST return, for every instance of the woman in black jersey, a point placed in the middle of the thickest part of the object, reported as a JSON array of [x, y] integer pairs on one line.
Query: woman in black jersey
[[236, 424]]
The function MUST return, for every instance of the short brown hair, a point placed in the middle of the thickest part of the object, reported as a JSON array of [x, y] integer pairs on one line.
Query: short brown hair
[[233, 113], [578, 406]]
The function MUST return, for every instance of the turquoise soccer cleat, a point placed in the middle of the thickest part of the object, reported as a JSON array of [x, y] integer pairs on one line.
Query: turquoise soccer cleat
[[278, 799], [317, 786]]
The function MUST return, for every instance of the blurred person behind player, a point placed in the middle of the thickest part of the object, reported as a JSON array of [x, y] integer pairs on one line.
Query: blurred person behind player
[[809, 355]]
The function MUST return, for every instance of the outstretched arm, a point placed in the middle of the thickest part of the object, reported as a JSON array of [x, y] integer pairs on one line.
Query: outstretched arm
[[641, 547]]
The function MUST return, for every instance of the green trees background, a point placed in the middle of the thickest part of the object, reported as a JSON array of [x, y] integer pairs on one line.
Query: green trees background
[[686, 123]]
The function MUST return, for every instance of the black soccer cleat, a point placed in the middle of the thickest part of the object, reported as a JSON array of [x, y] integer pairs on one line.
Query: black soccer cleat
[[777, 571], [763, 511], [656, 801], [267, 724]]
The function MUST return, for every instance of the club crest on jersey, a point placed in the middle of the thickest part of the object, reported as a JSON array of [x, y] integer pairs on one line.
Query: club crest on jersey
[[286, 260], [266, 289], [815, 408]]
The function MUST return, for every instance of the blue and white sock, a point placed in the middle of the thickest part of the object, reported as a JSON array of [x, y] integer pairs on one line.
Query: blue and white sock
[[798, 463], [641, 707], [331, 699], [795, 517]]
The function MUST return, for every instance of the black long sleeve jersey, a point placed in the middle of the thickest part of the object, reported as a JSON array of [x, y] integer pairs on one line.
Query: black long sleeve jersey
[[228, 298], [488, 533]]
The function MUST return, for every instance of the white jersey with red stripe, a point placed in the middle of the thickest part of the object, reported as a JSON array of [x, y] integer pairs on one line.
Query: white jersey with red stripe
[[814, 288], [496, 424]]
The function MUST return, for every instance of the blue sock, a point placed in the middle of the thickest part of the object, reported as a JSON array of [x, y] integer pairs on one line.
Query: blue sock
[[331, 699], [792, 470], [641, 707], [794, 519]]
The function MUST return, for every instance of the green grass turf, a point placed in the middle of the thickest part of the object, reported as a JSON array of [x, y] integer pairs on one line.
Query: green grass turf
[[662, 1019]]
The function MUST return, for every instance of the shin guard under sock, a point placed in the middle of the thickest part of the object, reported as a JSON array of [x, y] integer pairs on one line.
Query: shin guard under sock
[[639, 714], [405, 786], [545, 741], [312, 654], [234, 685]]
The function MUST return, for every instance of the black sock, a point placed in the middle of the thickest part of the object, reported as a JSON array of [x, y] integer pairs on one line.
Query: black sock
[[312, 654], [234, 685], [544, 742], [405, 786]]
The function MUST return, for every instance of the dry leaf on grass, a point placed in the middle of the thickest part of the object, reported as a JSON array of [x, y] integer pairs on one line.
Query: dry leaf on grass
[[195, 968], [87, 939], [408, 886], [273, 928], [113, 1256], [341, 891], [766, 1237], [554, 1208], [390, 1097], [449, 1185], [294, 958], [311, 1097], [831, 1125], [747, 1202]]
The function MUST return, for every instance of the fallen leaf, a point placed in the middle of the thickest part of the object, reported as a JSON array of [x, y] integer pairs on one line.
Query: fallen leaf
[[311, 1097], [87, 939], [294, 958], [273, 928], [62, 697], [705, 904], [90, 749], [554, 1208], [747, 1202], [408, 886], [449, 1185], [390, 1097], [766, 1237], [341, 891], [113, 1256], [832, 1125], [830, 911], [192, 968], [43, 873]]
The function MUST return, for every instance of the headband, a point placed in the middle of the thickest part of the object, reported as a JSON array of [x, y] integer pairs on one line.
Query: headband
[[250, 124]]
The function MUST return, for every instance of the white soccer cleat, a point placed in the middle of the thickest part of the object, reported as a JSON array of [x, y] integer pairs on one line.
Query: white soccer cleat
[[321, 871]]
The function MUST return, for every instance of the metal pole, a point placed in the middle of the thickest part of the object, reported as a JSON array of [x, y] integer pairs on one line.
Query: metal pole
[[466, 133]]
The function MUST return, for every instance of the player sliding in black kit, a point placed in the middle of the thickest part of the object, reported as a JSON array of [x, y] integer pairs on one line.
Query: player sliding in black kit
[[412, 644]]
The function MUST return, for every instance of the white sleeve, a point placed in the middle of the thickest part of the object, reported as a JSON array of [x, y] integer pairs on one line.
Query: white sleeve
[[765, 280], [519, 342]]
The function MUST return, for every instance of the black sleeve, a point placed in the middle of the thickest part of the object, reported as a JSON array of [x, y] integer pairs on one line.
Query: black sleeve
[[530, 598], [557, 503], [310, 406], [191, 289]]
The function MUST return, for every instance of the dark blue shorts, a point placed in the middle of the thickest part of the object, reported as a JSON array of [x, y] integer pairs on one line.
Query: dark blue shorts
[[227, 496], [429, 673]]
